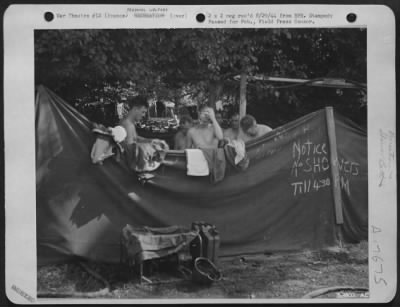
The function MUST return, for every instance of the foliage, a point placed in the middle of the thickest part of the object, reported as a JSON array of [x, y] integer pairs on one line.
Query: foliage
[[197, 65]]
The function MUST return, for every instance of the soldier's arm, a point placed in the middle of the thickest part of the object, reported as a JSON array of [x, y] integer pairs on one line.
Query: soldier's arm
[[130, 132], [217, 129], [189, 138]]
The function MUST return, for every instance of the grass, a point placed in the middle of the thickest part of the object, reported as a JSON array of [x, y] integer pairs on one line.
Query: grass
[[278, 275]]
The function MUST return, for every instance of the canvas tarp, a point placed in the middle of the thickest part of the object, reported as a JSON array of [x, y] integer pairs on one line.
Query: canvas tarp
[[283, 201]]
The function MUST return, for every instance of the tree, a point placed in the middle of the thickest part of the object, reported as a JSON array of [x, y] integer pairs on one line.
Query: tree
[[311, 53], [201, 63], [82, 60]]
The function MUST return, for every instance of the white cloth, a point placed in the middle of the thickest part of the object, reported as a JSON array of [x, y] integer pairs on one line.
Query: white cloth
[[219, 106], [240, 149], [120, 110], [196, 163], [101, 150], [118, 133]]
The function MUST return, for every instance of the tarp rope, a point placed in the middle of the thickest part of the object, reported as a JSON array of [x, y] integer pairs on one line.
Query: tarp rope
[[357, 85]]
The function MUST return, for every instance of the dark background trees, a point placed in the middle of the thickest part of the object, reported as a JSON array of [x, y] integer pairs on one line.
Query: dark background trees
[[206, 65]]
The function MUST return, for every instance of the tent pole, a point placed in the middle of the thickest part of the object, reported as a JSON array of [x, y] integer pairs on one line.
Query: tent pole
[[337, 194]]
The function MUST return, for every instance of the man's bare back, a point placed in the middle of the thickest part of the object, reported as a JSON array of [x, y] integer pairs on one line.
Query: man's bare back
[[261, 130]]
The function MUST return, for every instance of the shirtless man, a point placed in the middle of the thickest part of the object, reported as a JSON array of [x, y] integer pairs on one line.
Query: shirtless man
[[138, 110], [180, 139], [249, 129], [207, 133], [218, 117], [232, 132]]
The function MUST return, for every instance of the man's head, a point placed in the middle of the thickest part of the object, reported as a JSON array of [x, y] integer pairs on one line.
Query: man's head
[[218, 117], [203, 113], [235, 121], [138, 108], [249, 125], [185, 122]]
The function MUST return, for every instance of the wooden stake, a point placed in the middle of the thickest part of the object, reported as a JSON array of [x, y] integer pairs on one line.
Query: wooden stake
[[243, 85], [337, 194]]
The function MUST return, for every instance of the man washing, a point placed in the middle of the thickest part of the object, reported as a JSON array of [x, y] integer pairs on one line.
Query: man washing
[[138, 109], [180, 139], [206, 158], [207, 133], [143, 155], [232, 132], [249, 129]]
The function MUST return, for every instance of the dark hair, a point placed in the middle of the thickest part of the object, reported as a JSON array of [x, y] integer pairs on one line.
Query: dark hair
[[186, 119], [247, 122], [202, 107], [138, 101]]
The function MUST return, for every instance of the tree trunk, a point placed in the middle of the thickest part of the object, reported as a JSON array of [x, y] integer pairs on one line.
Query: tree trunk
[[215, 89], [243, 88]]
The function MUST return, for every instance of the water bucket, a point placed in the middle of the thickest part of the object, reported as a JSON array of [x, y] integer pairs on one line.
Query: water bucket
[[205, 272]]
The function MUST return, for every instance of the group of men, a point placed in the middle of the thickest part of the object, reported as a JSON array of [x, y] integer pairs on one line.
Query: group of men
[[207, 133]]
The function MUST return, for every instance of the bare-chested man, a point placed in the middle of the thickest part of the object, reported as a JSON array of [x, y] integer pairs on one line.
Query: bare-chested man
[[207, 133], [232, 132], [138, 110], [249, 129], [218, 117], [180, 139]]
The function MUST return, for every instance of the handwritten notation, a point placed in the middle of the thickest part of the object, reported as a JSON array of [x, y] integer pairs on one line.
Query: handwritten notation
[[378, 262], [386, 156]]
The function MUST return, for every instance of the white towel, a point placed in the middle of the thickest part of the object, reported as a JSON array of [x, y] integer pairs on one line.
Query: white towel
[[196, 163], [240, 149], [101, 150], [118, 133]]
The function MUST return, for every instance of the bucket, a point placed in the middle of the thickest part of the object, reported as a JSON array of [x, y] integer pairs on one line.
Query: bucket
[[205, 272]]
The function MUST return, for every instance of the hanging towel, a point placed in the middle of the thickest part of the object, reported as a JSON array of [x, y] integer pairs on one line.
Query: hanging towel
[[101, 149], [216, 163], [106, 140], [231, 155], [240, 149], [196, 163]]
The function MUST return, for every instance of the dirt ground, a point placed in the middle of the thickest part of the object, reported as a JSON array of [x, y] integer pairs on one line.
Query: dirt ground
[[277, 275]]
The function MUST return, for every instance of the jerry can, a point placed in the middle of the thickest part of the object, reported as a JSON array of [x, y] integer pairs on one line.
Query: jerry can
[[207, 243]]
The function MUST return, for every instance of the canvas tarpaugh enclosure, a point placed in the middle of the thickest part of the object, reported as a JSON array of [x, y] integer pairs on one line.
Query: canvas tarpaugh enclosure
[[306, 187]]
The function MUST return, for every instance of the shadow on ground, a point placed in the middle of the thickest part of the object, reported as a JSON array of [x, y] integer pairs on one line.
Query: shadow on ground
[[278, 275]]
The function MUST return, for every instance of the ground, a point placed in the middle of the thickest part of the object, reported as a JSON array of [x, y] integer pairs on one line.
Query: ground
[[276, 275]]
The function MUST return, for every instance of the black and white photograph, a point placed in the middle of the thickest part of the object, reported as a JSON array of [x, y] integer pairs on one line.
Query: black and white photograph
[[211, 163], [201, 163]]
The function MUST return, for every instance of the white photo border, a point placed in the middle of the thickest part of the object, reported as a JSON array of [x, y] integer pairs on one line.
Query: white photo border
[[20, 21]]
